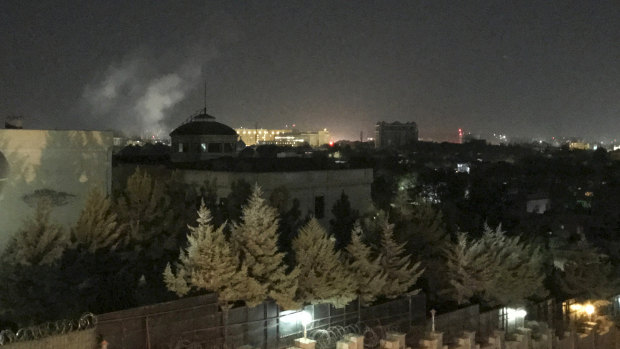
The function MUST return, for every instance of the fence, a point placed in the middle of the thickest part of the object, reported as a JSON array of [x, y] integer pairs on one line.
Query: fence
[[70, 334], [470, 318], [197, 321]]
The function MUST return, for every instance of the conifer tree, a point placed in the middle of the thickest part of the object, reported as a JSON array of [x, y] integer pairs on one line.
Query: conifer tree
[[144, 209], [344, 219], [240, 192], [39, 241], [325, 277], [208, 263], [152, 229], [497, 269], [366, 270], [519, 275], [421, 227], [96, 227], [397, 265], [256, 241], [469, 269], [588, 274]]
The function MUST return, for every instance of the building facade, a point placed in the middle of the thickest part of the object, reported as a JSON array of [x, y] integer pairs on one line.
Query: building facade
[[61, 166], [395, 134], [290, 137], [251, 136], [317, 191]]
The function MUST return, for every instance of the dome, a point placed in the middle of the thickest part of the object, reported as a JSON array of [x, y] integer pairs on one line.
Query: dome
[[203, 124]]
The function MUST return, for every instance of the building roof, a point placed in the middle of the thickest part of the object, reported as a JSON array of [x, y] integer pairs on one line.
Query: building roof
[[203, 124]]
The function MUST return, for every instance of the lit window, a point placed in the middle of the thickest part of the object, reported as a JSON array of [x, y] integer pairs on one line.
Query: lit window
[[180, 147], [203, 147]]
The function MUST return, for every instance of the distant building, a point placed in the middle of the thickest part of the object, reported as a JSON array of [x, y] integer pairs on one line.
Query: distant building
[[395, 134], [251, 136], [60, 166], [538, 203], [578, 146], [290, 137], [463, 167], [202, 138]]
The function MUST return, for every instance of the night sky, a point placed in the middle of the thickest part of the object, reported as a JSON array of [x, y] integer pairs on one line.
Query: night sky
[[532, 68]]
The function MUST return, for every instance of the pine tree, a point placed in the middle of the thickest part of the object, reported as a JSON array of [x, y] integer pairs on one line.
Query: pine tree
[[401, 274], [96, 227], [39, 242], [421, 226], [256, 241], [496, 269], [208, 263], [144, 209], [344, 219], [240, 192], [588, 274], [153, 230], [325, 278], [469, 269], [366, 270], [519, 273]]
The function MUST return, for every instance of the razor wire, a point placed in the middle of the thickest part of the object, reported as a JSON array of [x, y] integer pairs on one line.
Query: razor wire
[[51, 328], [327, 338]]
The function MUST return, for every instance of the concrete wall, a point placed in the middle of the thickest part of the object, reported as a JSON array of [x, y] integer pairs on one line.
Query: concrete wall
[[303, 185], [61, 165]]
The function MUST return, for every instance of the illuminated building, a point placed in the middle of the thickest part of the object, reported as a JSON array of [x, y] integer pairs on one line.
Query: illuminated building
[[251, 136], [579, 146], [395, 134], [290, 137]]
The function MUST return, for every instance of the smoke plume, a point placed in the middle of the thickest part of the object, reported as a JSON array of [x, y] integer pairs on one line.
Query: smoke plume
[[137, 94]]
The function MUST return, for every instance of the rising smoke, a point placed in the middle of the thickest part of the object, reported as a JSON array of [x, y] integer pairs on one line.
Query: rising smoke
[[138, 94]]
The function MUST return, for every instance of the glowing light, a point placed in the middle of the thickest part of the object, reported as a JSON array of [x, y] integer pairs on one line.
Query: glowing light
[[589, 309], [331, 143], [305, 318], [514, 314]]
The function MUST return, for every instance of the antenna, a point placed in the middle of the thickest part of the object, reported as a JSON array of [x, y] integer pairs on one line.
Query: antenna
[[205, 96]]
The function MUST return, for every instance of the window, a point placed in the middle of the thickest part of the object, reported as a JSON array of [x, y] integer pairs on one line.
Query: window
[[215, 147], [180, 147], [319, 207], [203, 147]]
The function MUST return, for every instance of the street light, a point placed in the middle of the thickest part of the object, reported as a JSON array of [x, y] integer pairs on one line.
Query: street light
[[305, 319], [589, 309]]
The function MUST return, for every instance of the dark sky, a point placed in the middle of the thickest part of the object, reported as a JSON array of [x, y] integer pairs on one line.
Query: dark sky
[[539, 68]]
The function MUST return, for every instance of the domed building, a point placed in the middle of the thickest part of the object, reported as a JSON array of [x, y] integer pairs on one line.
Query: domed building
[[202, 138]]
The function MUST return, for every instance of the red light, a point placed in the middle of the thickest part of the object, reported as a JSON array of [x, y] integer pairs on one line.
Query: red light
[[331, 143]]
